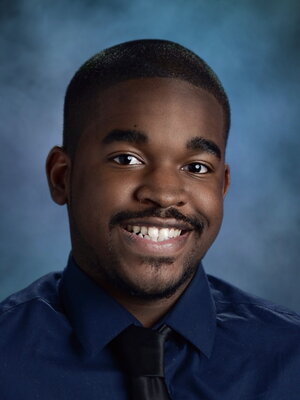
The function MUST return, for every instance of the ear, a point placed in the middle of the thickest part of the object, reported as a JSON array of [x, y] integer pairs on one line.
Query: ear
[[58, 167], [226, 183]]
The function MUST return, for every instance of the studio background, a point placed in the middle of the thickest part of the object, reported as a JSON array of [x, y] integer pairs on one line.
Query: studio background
[[254, 48]]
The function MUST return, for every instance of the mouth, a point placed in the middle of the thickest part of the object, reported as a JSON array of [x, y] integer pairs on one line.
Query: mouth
[[155, 238], [155, 233]]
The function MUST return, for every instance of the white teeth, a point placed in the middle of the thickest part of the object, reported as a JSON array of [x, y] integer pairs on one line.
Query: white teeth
[[163, 234], [171, 232], [144, 230], [154, 233], [136, 229]]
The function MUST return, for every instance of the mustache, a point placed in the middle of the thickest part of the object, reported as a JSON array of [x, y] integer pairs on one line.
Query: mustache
[[197, 223]]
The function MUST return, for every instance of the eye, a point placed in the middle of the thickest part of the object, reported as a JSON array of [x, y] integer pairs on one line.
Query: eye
[[126, 159], [196, 168]]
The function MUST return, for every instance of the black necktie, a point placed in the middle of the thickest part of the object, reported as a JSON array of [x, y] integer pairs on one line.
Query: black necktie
[[141, 351]]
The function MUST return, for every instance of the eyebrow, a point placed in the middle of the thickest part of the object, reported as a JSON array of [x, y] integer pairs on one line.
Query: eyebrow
[[205, 145], [128, 135], [139, 137]]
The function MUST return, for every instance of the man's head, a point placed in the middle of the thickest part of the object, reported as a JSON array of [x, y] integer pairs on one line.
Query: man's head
[[144, 174], [133, 60]]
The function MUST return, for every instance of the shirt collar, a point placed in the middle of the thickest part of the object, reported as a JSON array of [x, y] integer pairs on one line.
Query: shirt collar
[[97, 318], [194, 314]]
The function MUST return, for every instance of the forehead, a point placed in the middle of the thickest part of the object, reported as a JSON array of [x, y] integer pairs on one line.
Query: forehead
[[165, 109]]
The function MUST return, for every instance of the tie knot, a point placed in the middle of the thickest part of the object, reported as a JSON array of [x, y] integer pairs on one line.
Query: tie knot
[[142, 350]]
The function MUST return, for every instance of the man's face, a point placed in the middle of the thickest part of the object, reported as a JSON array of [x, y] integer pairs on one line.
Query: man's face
[[147, 185]]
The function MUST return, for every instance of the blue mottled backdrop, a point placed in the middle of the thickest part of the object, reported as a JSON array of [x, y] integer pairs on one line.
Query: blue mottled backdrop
[[254, 48]]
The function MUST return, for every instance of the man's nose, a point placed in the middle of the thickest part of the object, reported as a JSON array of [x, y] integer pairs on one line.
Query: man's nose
[[163, 188]]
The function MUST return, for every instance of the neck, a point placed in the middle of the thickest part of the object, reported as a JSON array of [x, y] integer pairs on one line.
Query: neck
[[148, 312]]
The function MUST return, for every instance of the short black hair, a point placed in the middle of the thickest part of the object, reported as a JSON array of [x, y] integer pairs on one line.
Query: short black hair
[[131, 60]]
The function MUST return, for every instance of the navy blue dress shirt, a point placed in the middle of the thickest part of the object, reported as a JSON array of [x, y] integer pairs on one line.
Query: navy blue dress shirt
[[55, 343]]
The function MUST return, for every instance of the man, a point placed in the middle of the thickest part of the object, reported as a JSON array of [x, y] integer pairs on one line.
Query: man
[[142, 172]]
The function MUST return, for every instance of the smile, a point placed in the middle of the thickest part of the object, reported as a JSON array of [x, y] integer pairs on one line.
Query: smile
[[154, 233], [155, 239]]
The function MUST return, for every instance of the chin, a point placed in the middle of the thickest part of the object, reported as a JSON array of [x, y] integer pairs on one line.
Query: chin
[[156, 285]]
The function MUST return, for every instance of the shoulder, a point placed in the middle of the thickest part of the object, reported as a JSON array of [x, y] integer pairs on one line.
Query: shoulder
[[43, 293], [32, 320], [259, 337], [253, 316], [227, 296]]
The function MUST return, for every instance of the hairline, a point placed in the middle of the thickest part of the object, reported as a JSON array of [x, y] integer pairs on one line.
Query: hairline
[[100, 88], [136, 59]]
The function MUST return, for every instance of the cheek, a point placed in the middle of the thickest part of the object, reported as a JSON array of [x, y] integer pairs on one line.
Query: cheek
[[209, 197], [98, 197], [208, 202]]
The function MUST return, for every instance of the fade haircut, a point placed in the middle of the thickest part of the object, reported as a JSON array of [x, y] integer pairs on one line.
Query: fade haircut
[[147, 58]]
